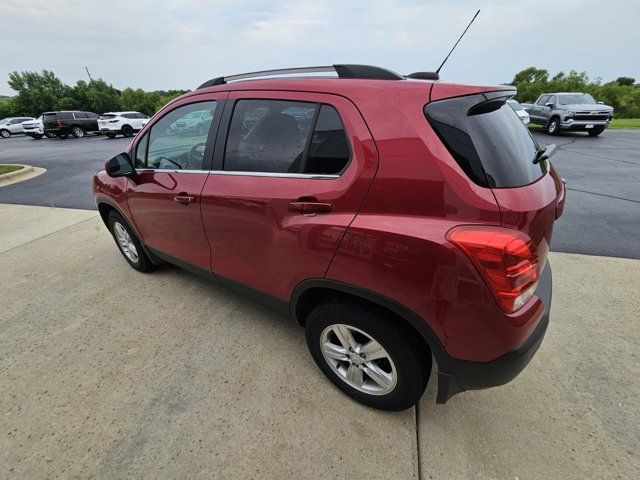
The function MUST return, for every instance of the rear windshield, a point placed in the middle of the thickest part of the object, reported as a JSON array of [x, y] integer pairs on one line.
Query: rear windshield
[[573, 98], [49, 116], [487, 139], [107, 116]]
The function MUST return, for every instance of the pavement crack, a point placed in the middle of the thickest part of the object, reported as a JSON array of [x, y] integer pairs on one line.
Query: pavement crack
[[419, 461], [560, 147], [603, 195]]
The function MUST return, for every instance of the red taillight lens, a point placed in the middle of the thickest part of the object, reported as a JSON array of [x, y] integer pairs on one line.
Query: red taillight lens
[[508, 260], [58, 122]]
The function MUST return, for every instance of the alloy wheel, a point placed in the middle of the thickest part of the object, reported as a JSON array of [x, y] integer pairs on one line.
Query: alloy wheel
[[358, 359], [5, 133], [126, 244]]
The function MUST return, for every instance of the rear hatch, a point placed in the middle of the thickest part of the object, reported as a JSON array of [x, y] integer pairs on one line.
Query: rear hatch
[[49, 120], [495, 150]]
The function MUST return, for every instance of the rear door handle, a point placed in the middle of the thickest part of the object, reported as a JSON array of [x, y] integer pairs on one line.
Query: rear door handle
[[310, 208], [184, 199]]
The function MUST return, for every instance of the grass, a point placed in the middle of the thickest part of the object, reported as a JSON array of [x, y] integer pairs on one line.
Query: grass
[[625, 123], [9, 168]]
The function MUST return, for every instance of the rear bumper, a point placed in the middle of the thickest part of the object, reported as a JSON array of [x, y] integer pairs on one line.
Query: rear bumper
[[455, 376]]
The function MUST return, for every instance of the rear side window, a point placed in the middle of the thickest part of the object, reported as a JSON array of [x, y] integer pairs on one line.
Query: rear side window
[[65, 115], [487, 139], [280, 136], [107, 116], [81, 115]]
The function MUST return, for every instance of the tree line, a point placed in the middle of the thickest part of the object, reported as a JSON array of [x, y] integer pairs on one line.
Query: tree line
[[42, 92], [623, 94]]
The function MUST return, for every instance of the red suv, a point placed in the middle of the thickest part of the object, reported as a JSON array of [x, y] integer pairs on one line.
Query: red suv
[[398, 219]]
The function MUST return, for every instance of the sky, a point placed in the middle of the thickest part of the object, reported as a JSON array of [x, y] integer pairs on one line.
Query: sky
[[175, 44]]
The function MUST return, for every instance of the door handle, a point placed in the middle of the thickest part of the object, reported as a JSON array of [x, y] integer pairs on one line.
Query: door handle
[[310, 207], [184, 199]]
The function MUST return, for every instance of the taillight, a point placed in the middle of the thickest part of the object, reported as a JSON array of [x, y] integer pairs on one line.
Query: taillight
[[508, 260], [58, 122]]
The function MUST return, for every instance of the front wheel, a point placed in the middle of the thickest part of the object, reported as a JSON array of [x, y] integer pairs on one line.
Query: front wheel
[[5, 133], [553, 127], [595, 132], [77, 132], [367, 356], [128, 243]]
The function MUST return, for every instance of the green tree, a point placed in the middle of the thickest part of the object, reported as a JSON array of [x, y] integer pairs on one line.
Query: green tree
[[95, 96], [626, 81], [36, 92]]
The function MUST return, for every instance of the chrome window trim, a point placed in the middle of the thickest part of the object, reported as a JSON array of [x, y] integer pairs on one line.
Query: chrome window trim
[[169, 170], [317, 176], [276, 174]]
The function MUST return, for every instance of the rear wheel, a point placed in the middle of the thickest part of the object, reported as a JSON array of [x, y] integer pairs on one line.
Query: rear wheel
[[128, 243], [36, 136], [5, 133], [63, 135], [595, 132], [127, 131], [77, 132], [553, 127], [110, 135], [50, 135], [366, 356]]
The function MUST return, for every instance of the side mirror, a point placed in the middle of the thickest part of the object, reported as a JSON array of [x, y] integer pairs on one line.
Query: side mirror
[[119, 166], [549, 104], [545, 154]]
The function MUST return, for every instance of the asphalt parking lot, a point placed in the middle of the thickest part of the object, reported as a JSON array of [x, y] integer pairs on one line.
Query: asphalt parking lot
[[602, 216]]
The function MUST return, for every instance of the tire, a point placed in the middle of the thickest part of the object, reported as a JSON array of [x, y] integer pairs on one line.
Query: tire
[[36, 136], [553, 127], [77, 132], [128, 243], [5, 133], [406, 366], [50, 135], [63, 135], [110, 135], [127, 131], [595, 132]]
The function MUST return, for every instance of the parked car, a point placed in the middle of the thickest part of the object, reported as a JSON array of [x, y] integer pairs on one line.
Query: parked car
[[121, 123], [12, 125], [195, 123], [522, 114], [64, 123], [33, 128], [570, 111], [398, 220]]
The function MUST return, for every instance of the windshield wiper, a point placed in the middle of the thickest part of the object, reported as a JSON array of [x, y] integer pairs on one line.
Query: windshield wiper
[[545, 153]]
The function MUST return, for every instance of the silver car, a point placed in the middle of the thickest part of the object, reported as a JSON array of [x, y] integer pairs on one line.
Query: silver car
[[12, 125], [520, 111]]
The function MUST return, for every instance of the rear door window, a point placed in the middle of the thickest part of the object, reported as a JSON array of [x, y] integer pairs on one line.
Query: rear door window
[[286, 137], [487, 140], [65, 115]]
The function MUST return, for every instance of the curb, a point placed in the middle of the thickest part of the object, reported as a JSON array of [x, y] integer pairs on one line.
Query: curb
[[25, 173]]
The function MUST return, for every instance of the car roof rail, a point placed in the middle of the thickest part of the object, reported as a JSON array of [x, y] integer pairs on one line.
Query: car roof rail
[[368, 72]]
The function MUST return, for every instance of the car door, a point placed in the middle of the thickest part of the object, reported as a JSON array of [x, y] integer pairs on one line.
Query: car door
[[289, 177], [536, 110], [164, 195]]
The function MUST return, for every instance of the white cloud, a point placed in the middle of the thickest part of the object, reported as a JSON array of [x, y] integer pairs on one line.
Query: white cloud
[[179, 44]]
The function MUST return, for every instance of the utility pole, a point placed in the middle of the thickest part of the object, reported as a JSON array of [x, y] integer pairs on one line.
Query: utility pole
[[90, 79]]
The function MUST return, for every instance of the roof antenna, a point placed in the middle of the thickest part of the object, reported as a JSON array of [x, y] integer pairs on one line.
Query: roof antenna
[[456, 44]]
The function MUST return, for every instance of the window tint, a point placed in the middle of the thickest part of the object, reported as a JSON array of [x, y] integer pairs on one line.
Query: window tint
[[268, 136], [329, 149], [92, 115], [141, 152], [177, 141], [80, 115], [543, 100], [279, 136], [552, 99], [65, 115], [487, 140]]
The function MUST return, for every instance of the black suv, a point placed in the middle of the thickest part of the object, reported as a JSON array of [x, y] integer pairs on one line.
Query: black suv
[[62, 124]]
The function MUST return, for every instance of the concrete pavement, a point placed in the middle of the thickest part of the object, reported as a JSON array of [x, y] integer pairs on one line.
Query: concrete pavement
[[110, 373]]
